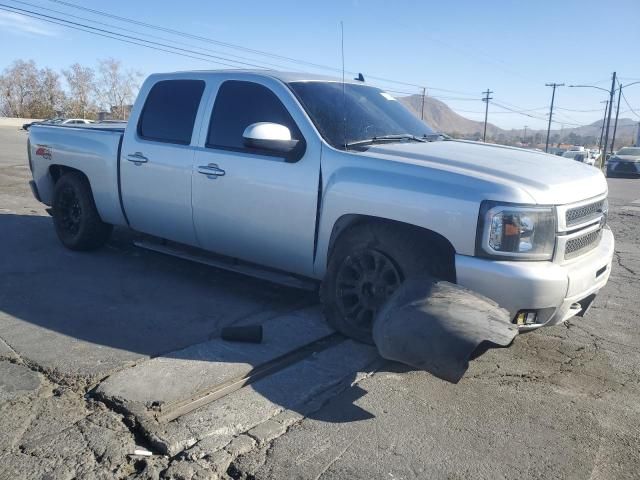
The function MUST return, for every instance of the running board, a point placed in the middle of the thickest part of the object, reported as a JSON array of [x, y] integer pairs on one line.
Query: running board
[[225, 263]]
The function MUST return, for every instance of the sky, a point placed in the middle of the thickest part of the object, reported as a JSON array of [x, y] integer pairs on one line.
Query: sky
[[454, 49]]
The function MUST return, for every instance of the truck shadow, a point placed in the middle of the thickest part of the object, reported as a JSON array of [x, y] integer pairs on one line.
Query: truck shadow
[[91, 314]]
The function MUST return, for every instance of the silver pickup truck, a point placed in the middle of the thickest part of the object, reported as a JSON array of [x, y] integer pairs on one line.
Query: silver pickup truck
[[313, 179]]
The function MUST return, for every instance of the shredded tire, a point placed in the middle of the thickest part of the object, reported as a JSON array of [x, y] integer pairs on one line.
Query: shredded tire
[[404, 247]]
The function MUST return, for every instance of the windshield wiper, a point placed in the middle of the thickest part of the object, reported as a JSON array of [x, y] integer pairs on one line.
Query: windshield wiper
[[432, 137], [385, 138]]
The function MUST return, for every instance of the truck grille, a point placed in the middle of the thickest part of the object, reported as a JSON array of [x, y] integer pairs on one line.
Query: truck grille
[[582, 244], [577, 215]]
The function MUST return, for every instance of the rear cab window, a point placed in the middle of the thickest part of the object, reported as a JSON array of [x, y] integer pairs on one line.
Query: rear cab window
[[169, 112], [239, 104]]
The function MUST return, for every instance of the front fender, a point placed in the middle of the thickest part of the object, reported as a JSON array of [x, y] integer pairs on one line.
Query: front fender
[[442, 207]]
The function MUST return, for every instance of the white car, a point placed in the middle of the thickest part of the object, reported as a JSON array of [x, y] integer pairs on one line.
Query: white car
[[339, 184], [75, 121], [580, 156]]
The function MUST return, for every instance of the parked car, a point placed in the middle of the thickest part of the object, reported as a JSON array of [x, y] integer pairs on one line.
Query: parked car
[[26, 126], [75, 121], [580, 156], [332, 183], [58, 121], [625, 161]]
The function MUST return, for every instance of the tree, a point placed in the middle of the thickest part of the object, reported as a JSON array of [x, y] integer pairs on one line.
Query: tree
[[116, 88], [81, 82], [18, 87], [49, 98]]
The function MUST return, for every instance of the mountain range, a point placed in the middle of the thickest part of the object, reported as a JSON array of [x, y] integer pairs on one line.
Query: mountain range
[[442, 118]]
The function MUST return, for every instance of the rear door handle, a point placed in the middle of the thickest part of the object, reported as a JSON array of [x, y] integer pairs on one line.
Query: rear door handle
[[212, 170], [137, 158]]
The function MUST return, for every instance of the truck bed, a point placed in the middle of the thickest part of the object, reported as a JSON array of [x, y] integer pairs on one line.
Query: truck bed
[[94, 150]]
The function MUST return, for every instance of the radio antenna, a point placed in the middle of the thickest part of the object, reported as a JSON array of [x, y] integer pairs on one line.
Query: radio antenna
[[344, 95]]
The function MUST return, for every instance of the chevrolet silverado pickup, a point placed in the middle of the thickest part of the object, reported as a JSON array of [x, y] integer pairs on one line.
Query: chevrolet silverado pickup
[[331, 182]]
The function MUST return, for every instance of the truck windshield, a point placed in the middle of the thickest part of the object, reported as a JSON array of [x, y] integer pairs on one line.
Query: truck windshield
[[370, 113]]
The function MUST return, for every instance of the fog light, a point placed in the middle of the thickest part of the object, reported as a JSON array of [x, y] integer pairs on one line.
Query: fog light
[[524, 317]]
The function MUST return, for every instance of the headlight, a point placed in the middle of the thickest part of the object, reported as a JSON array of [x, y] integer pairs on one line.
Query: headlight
[[516, 232]]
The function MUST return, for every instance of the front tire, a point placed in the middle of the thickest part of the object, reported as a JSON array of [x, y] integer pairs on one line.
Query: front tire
[[368, 264], [75, 217]]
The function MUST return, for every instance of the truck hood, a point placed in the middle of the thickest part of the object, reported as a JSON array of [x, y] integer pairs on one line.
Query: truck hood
[[547, 179]]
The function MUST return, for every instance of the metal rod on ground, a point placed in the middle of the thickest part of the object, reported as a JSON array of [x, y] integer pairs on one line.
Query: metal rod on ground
[[553, 97], [524, 138], [604, 119], [424, 93], [615, 124], [486, 112], [606, 132]]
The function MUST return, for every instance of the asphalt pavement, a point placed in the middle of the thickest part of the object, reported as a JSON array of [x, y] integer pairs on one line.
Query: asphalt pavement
[[561, 402]]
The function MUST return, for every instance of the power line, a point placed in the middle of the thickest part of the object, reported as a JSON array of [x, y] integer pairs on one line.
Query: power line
[[42, 16], [628, 105], [536, 117], [460, 99], [142, 40], [523, 109], [2, 7], [147, 35], [578, 111], [200, 38], [245, 49], [519, 112]]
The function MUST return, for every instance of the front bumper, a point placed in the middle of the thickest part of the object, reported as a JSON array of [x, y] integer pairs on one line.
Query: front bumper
[[552, 290], [623, 168]]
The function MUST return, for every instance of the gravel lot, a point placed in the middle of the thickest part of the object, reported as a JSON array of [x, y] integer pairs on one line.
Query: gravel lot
[[562, 402]]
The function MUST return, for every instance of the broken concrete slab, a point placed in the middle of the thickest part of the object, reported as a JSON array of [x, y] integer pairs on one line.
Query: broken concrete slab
[[437, 325], [6, 352], [240, 445], [152, 388], [266, 431], [186, 373], [17, 380], [302, 387]]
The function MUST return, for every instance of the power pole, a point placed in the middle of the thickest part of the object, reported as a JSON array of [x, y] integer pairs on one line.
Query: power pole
[[553, 97], [524, 137], [606, 132], [604, 119], [561, 133], [424, 93], [486, 99], [615, 124]]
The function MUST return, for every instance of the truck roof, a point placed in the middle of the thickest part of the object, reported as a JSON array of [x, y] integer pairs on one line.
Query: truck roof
[[285, 77]]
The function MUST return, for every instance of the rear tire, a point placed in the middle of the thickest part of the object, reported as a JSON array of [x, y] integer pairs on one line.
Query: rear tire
[[75, 217], [367, 265]]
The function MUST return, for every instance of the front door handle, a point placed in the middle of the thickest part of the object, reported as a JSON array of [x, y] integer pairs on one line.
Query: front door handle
[[137, 158], [212, 170]]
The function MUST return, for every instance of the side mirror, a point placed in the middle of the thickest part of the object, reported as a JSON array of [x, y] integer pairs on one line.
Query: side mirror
[[269, 136]]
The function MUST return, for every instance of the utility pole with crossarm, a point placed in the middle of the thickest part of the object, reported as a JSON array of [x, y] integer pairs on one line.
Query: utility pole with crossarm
[[486, 99], [553, 97]]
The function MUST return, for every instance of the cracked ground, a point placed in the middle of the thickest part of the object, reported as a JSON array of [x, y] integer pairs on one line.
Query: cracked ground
[[562, 402]]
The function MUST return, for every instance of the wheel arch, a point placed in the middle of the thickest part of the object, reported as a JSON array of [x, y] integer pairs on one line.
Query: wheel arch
[[432, 239], [56, 171]]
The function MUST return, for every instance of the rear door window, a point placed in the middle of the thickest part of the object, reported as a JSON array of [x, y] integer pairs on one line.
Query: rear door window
[[169, 112]]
